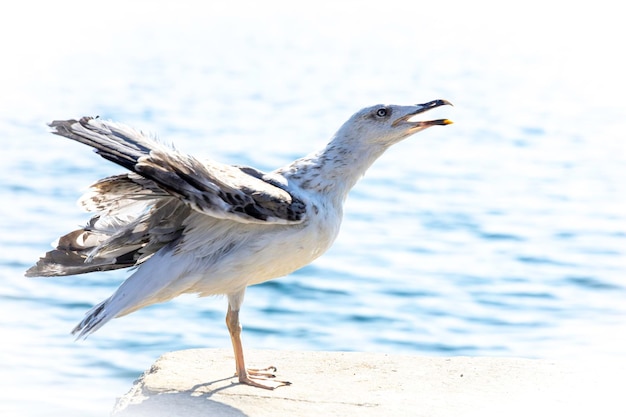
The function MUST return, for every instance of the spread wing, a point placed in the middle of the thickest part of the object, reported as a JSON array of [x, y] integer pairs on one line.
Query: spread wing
[[218, 190], [134, 219]]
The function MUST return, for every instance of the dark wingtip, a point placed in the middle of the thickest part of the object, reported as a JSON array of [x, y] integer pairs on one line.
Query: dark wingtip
[[59, 126], [31, 272], [42, 269], [65, 124]]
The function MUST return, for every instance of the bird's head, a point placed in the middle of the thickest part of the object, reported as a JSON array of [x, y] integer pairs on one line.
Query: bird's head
[[388, 124]]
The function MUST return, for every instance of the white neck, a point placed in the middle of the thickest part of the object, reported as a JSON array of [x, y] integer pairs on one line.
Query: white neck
[[335, 169]]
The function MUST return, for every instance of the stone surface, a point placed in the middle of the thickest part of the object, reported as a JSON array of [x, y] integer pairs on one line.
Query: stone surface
[[200, 382]]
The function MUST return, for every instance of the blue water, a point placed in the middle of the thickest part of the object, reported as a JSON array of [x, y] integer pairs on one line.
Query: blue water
[[503, 234]]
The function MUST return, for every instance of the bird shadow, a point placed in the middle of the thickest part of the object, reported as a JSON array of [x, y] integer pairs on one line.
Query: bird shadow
[[209, 392], [188, 403]]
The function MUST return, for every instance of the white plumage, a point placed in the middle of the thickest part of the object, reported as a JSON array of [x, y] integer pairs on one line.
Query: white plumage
[[204, 227]]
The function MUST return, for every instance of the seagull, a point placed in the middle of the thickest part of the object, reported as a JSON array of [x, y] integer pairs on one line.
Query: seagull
[[199, 226]]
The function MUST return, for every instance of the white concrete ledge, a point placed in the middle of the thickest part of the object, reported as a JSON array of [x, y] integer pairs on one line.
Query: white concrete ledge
[[199, 382]]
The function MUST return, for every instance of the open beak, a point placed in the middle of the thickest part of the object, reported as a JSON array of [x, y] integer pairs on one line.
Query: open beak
[[421, 108]]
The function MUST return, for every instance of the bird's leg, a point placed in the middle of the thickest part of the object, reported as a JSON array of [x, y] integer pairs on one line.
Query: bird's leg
[[247, 376]]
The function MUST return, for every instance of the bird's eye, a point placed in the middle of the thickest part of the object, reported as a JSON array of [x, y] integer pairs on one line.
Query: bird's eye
[[382, 112]]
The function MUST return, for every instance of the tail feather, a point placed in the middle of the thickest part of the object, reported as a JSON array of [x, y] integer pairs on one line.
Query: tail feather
[[157, 280], [94, 319]]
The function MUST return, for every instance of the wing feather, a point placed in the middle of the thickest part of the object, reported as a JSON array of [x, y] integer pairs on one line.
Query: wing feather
[[134, 220], [217, 190]]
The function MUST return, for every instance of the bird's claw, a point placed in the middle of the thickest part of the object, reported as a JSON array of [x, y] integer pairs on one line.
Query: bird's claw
[[253, 376], [263, 373]]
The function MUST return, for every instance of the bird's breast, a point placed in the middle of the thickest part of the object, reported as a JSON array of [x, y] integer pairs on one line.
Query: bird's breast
[[247, 254], [289, 248]]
